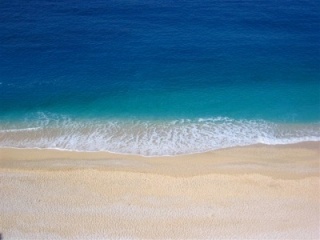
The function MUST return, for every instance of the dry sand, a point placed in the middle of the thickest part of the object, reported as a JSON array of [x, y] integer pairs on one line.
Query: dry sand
[[257, 192]]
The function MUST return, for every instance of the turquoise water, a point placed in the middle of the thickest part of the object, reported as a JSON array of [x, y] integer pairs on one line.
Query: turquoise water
[[158, 77]]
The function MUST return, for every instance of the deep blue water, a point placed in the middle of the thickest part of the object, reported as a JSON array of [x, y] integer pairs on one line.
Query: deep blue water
[[97, 61]]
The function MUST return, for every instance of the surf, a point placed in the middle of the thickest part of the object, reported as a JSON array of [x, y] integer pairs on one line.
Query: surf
[[153, 137]]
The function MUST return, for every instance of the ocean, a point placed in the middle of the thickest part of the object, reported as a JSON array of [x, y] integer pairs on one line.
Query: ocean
[[158, 77]]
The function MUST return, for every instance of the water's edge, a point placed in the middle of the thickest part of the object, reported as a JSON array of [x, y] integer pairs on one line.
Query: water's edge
[[152, 138]]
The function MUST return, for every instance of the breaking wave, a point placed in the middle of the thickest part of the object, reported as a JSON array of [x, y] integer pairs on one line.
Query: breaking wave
[[151, 138]]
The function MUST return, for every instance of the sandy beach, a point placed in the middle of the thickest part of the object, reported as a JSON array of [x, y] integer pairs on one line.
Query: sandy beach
[[256, 192]]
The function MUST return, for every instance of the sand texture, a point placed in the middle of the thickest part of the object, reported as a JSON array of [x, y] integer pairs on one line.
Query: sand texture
[[256, 192]]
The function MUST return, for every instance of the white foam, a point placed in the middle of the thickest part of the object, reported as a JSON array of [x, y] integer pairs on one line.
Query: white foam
[[153, 138], [19, 129]]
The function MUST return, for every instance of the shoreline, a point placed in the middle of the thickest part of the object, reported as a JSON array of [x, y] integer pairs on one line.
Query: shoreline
[[150, 138], [302, 144], [257, 192]]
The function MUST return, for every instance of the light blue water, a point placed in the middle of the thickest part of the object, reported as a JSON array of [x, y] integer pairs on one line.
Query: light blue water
[[158, 77]]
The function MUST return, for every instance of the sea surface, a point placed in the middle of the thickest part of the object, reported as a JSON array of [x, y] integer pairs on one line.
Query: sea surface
[[158, 77]]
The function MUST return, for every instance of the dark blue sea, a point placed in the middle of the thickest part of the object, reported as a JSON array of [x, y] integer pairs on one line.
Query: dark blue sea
[[158, 77]]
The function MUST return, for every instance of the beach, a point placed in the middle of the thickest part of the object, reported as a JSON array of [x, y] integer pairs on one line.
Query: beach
[[253, 192], [159, 119]]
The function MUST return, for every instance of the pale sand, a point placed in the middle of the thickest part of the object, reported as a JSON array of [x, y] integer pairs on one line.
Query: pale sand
[[258, 192]]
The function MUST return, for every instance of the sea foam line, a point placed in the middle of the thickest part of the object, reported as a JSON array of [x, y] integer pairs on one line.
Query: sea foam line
[[20, 129], [156, 138]]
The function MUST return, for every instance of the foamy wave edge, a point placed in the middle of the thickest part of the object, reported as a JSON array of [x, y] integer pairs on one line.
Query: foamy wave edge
[[152, 138]]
